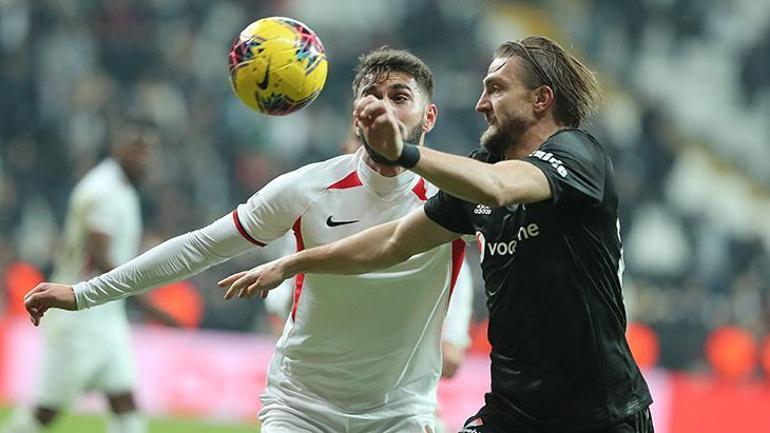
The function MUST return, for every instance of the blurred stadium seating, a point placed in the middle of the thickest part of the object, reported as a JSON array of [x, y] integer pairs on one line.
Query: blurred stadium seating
[[685, 116]]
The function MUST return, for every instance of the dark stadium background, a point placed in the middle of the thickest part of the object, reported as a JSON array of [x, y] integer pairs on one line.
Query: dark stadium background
[[685, 117]]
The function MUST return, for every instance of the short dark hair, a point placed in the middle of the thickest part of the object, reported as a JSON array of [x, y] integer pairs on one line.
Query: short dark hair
[[377, 64], [547, 63]]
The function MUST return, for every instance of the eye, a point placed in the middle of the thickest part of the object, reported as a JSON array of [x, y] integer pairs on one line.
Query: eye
[[400, 98]]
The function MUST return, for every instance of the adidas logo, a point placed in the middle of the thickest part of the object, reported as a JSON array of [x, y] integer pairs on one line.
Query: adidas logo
[[482, 210]]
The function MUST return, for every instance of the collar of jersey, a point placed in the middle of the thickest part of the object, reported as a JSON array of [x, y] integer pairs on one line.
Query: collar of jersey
[[385, 187]]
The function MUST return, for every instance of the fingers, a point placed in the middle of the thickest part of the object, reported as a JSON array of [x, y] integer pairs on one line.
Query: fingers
[[373, 114], [37, 289], [362, 103], [234, 289], [231, 279], [36, 306], [368, 109], [240, 286]]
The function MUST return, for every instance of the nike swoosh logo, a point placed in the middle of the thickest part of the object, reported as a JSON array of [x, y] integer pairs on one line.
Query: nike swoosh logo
[[263, 84], [331, 223]]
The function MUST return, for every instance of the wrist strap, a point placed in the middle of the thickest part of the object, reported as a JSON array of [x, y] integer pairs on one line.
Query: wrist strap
[[410, 155]]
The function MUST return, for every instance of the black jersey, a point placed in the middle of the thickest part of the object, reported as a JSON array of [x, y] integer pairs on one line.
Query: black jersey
[[552, 269]]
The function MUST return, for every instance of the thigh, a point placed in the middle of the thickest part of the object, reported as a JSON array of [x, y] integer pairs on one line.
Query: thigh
[[407, 423], [65, 371], [117, 372], [278, 415]]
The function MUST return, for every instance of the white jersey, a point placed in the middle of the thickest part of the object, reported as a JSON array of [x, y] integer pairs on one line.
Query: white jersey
[[367, 342], [103, 201]]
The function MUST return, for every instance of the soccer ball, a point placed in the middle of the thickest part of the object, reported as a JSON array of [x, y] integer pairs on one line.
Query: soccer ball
[[277, 65]]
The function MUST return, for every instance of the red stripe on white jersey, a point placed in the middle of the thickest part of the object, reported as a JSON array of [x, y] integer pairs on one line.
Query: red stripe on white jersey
[[350, 181], [243, 231], [458, 254], [420, 190], [300, 278]]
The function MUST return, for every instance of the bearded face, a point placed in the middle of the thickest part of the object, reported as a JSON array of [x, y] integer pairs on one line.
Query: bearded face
[[503, 133]]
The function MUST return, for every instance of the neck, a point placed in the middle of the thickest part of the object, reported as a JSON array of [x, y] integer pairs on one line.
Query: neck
[[532, 138], [385, 170]]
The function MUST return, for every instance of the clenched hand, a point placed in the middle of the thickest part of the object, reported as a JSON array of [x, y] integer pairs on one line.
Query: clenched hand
[[48, 295], [381, 129]]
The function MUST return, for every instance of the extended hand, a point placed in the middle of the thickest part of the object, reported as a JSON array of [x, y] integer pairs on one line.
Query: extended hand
[[48, 295], [382, 131], [260, 279]]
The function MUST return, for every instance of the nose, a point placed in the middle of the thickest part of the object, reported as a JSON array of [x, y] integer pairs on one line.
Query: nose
[[482, 106]]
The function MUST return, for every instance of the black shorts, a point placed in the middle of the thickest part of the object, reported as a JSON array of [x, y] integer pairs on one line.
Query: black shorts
[[483, 422]]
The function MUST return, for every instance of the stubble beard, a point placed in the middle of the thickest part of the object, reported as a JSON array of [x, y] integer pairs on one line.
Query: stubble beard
[[499, 139]]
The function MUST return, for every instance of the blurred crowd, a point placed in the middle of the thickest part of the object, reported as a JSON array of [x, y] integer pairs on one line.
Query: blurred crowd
[[687, 98]]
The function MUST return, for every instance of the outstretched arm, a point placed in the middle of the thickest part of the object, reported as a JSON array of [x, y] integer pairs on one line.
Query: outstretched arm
[[379, 247], [494, 185], [173, 260]]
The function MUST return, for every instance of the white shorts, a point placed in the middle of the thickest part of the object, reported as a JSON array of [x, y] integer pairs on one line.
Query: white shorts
[[77, 361], [307, 416]]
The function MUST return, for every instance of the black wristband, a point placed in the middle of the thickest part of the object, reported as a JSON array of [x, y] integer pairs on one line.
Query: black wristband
[[410, 155]]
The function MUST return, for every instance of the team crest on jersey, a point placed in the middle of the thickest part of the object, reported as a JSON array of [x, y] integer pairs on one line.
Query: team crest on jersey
[[482, 210], [549, 158]]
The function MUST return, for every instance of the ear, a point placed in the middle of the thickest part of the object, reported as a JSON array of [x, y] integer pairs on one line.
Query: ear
[[544, 98], [431, 116], [356, 127]]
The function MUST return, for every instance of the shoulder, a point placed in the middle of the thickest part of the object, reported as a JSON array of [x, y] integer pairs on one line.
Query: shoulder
[[321, 175], [573, 140], [307, 183], [104, 181]]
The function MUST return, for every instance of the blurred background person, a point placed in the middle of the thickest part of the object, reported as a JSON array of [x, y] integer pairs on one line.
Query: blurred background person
[[92, 351]]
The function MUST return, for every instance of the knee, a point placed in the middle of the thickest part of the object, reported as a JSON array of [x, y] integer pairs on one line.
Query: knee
[[122, 403]]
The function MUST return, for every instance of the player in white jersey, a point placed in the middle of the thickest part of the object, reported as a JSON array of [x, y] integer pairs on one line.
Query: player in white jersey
[[91, 350], [455, 338], [359, 353]]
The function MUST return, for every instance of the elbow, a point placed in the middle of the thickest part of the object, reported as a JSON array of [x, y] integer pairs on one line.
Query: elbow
[[497, 197], [495, 193], [493, 201], [503, 194], [393, 254]]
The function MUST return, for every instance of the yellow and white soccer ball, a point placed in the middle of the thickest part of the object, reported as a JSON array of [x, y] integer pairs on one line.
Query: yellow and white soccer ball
[[277, 65]]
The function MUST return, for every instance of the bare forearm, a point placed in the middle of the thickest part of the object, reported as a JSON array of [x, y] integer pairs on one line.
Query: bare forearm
[[365, 252], [462, 177], [379, 247], [494, 185]]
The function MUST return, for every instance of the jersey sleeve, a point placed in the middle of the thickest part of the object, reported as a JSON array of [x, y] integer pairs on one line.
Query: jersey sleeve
[[272, 211], [449, 212], [173, 260], [574, 166]]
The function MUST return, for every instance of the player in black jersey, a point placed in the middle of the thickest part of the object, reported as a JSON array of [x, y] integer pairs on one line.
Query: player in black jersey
[[540, 194]]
